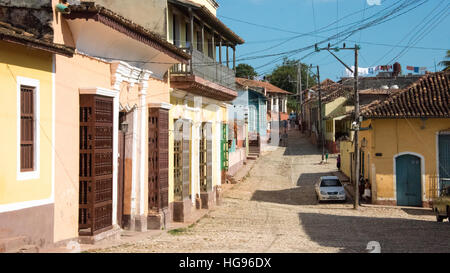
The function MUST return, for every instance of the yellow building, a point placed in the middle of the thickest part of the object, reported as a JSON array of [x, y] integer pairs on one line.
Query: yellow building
[[200, 94], [405, 151], [27, 116]]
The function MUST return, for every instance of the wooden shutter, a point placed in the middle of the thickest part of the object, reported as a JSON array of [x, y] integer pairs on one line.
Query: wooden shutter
[[96, 164], [202, 159], [163, 143], [186, 159], [208, 128], [224, 148], [27, 120], [178, 161], [158, 165]]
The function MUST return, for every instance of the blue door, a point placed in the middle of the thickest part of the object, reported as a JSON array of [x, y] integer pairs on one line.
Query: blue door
[[409, 189]]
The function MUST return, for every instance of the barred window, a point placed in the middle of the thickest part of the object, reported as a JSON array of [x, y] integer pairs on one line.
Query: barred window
[[27, 128]]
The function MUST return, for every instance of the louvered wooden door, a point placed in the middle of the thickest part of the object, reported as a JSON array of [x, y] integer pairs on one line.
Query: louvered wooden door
[[158, 161], [96, 164], [186, 159], [208, 131]]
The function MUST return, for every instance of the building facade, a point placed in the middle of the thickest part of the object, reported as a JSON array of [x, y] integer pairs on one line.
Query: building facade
[[116, 172], [27, 181], [404, 151], [201, 92]]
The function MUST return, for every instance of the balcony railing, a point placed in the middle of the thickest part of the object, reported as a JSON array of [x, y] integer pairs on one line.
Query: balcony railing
[[206, 68]]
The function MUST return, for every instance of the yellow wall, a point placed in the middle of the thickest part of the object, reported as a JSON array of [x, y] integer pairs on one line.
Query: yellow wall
[[336, 107], [17, 60], [393, 136], [205, 115], [346, 148]]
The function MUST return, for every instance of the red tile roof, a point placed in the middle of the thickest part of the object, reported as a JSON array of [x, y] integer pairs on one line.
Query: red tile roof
[[428, 97], [16, 35], [270, 88]]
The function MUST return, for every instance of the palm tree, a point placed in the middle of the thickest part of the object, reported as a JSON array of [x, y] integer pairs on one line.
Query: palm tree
[[446, 62]]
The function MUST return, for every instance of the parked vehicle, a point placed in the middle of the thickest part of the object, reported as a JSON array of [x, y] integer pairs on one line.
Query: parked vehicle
[[441, 205], [330, 188]]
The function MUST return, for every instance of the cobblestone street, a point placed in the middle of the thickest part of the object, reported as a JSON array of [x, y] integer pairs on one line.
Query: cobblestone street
[[275, 210]]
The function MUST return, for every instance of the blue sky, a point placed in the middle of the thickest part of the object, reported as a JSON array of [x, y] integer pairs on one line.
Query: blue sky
[[291, 17]]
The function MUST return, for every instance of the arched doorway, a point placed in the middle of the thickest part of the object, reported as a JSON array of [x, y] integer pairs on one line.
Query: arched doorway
[[408, 176]]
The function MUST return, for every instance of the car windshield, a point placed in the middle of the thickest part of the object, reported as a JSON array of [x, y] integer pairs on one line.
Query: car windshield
[[330, 183]]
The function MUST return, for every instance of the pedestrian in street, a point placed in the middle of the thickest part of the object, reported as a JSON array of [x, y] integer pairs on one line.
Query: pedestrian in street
[[338, 162]]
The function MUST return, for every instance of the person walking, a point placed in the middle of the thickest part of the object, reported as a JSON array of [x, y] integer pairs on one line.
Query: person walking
[[338, 162]]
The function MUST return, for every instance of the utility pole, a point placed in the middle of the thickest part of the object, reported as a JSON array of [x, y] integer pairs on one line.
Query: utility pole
[[356, 137], [356, 123], [299, 85], [321, 134]]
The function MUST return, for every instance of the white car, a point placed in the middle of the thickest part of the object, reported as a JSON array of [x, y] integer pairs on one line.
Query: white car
[[330, 188]]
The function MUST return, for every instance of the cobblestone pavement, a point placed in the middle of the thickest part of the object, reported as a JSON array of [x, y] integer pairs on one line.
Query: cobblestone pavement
[[275, 210]]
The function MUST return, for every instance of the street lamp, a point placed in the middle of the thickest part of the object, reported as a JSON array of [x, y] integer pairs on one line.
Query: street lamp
[[124, 127]]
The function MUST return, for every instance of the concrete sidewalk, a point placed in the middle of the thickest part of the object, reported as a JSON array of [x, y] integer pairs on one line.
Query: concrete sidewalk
[[128, 237]]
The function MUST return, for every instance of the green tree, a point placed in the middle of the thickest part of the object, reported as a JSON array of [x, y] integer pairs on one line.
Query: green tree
[[285, 76], [446, 63], [245, 71]]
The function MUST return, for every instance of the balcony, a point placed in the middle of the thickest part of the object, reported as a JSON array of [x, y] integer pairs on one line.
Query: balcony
[[206, 68]]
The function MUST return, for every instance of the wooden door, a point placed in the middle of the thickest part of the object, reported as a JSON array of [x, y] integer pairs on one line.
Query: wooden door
[[158, 161], [186, 159], [95, 164], [121, 178], [409, 188]]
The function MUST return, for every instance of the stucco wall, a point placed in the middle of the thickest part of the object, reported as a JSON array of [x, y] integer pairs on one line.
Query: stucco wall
[[390, 137], [207, 113], [71, 74], [19, 61]]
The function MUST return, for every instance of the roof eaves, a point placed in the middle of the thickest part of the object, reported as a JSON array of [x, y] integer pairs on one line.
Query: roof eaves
[[112, 19]]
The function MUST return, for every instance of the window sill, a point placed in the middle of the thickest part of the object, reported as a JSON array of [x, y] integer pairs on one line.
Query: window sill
[[22, 176]]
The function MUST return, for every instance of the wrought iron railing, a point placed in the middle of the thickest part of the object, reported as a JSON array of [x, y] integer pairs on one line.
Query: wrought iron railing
[[206, 68]]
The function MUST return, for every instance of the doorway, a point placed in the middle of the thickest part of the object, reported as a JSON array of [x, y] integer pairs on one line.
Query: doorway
[[408, 176]]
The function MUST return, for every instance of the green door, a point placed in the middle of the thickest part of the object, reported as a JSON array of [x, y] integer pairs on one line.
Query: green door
[[409, 189], [444, 161]]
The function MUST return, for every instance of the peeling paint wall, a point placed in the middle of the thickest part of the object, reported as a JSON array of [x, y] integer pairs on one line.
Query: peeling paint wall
[[33, 16]]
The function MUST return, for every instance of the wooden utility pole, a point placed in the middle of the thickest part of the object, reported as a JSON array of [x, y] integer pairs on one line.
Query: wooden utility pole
[[299, 87], [321, 135], [356, 137], [356, 125]]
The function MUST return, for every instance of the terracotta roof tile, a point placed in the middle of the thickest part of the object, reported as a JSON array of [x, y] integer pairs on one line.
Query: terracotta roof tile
[[270, 88], [428, 97], [20, 36]]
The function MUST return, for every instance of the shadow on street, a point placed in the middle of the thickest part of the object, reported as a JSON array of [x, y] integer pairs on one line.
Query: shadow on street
[[353, 233]]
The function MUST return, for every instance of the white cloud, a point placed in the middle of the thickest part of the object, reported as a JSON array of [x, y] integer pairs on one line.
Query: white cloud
[[374, 2]]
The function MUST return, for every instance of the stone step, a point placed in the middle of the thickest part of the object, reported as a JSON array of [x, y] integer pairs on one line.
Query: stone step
[[27, 249], [12, 244]]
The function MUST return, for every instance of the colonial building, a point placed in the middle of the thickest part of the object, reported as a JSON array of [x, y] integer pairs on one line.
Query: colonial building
[[115, 115], [28, 118], [201, 92], [405, 144]]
